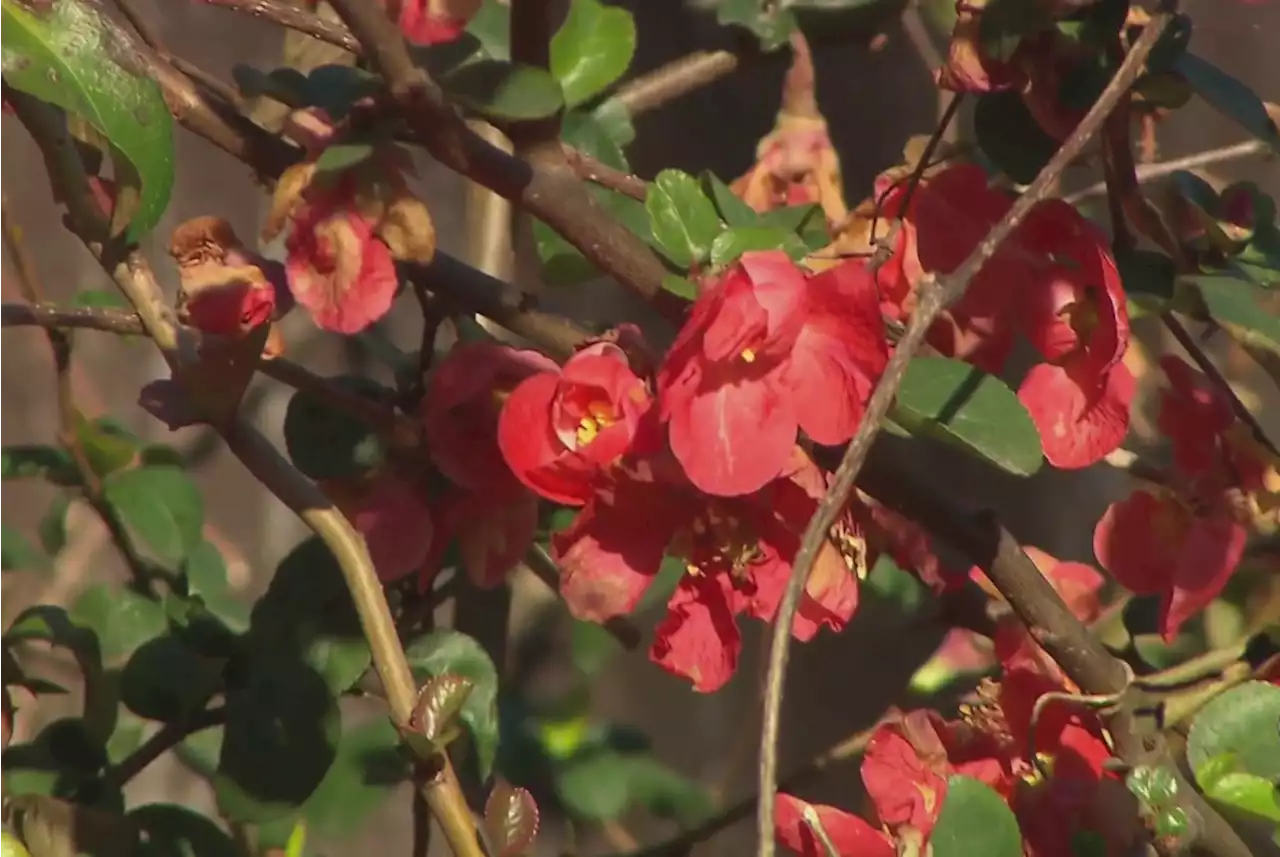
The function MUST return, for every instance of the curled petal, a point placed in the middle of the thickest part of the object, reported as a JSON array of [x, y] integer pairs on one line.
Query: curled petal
[[339, 270], [850, 834], [905, 790], [1079, 423], [699, 639]]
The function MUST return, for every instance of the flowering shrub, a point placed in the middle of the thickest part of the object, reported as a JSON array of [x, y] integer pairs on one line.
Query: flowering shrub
[[671, 483]]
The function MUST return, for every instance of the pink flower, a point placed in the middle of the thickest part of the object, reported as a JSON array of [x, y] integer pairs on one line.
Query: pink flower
[[392, 518]]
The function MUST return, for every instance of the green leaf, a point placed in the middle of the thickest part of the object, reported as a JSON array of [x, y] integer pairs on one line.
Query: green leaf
[[39, 462], [206, 576], [54, 626], [974, 820], [160, 507], [53, 526], [491, 25], [772, 23], [170, 830], [1228, 96], [964, 406], [596, 785], [1010, 137], [166, 681], [307, 613], [504, 91], [286, 85], [107, 446], [1246, 794], [807, 222], [367, 768], [1003, 24], [18, 553], [1242, 721], [100, 299], [281, 737], [336, 87], [681, 287], [161, 455], [326, 443], [614, 116], [667, 794], [588, 134], [441, 59], [71, 55], [343, 156], [592, 49], [1246, 311], [728, 204], [63, 757], [732, 243], [122, 619], [450, 652], [684, 221]]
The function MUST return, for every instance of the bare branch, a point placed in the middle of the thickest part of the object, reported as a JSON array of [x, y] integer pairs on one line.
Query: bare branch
[[294, 18], [1153, 172]]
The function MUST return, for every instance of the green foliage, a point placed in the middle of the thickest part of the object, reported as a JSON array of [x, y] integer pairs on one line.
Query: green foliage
[[108, 447], [120, 618], [71, 55], [732, 243], [961, 405], [1243, 309], [307, 616], [53, 526], [61, 760], [1229, 96], [18, 553], [333, 88], [165, 680], [1010, 137], [771, 23], [34, 461], [1148, 279], [592, 49], [1242, 722], [325, 443], [160, 507], [448, 652], [205, 574], [974, 820], [684, 221], [169, 829], [504, 91]]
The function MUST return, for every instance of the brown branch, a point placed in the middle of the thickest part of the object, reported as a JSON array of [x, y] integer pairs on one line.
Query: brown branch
[[1152, 172], [935, 295], [30, 285], [674, 80], [137, 282], [591, 170], [294, 18], [546, 187]]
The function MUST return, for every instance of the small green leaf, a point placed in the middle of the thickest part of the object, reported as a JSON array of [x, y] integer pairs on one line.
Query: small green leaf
[[974, 820], [53, 526], [1172, 822], [170, 830], [730, 206], [592, 49], [1010, 137], [39, 462], [615, 118], [161, 455], [63, 757], [11, 846], [286, 85], [504, 91], [307, 613], [296, 844], [166, 681], [450, 652], [1246, 311], [343, 156], [107, 446], [491, 25], [18, 553], [964, 406], [71, 55], [587, 134], [807, 222], [100, 299], [681, 287], [1246, 794], [54, 626], [684, 221], [206, 576], [667, 794], [281, 737], [122, 619], [772, 23], [336, 87], [160, 507], [439, 60], [732, 243], [1003, 24], [1154, 785], [596, 785], [1243, 721], [326, 443], [1230, 97]]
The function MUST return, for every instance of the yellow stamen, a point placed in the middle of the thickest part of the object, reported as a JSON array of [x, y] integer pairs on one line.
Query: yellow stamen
[[748, 355], [599, 416]]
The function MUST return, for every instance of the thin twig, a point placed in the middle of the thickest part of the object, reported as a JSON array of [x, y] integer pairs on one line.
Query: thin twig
[[934, 297], [166, 738], [1152, 172], [294, 18], [421, 825], [592, 170], [674, 80]]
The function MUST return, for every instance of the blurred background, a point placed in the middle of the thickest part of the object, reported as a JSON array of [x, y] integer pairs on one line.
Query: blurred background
[[875, 87]]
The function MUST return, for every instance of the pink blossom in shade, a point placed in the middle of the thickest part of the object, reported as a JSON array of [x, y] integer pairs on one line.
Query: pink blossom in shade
[[392, 518], [1079, 420], [699, 638], [232, 309], [1194, 415], [493, 531], [462, 406], [764, 353], [337, 268], [851, 835], [434, 22], [560, 431], [1156, 544]]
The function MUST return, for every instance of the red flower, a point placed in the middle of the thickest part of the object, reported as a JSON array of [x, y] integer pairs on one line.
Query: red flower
[[493, 532], [1080, 417], [852, 836], [433, 22], [461, 411], [337, 267], [559, 430], [392, 518], [225, 289], [738, 552], [765, 352], [1194, 415], [1158, 544]]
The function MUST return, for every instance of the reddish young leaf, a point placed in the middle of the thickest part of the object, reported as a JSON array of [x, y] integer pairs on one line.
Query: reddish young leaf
[[510, 819]]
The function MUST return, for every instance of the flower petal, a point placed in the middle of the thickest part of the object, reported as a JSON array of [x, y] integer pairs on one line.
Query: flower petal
[[699, 639], [850, 834], [1078, 424]]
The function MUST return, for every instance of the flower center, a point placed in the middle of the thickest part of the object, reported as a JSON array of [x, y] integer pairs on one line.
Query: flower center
[[599, 415], [718, 540], [748, 355], [853, 548]]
